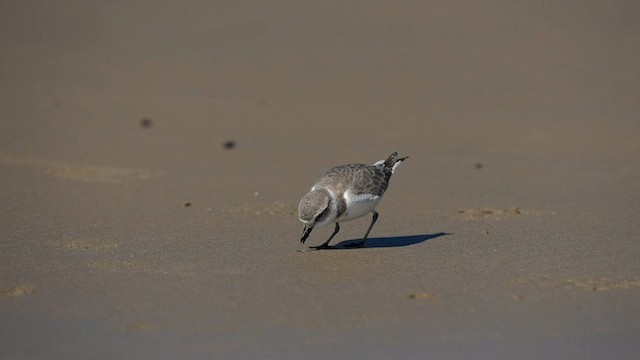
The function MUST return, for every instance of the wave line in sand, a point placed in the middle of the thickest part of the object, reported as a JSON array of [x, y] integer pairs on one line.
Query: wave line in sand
[[82, 172], [583, 284]]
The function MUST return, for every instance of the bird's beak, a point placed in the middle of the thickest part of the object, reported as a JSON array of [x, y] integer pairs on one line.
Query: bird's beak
[[305, 233]]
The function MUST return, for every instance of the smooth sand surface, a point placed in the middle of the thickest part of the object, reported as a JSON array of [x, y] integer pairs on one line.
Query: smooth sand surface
[[152, 155]]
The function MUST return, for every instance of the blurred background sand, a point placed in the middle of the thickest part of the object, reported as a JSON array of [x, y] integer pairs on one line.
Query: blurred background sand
[[129, 229]]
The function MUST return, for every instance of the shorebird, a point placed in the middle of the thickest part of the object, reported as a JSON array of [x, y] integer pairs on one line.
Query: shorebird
[[345, 193]]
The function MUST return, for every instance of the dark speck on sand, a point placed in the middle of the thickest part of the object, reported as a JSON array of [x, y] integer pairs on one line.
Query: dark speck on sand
[[146, 122]]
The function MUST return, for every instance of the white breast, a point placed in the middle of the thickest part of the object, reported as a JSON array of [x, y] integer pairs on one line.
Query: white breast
[[359, 205]]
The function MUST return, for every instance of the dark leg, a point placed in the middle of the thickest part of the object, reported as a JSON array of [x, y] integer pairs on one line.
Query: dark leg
[[373, 221], [326, 243]]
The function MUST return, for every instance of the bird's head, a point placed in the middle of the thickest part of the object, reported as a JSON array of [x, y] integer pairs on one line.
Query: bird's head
[[314, 210]]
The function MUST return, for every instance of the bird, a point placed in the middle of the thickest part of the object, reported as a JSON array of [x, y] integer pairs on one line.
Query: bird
[[344, 193]]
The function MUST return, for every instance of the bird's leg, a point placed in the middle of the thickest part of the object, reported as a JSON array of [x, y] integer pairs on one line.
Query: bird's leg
[[326, 243], [373, 221]]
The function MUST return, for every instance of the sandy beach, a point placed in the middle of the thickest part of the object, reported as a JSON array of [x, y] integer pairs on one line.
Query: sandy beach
[[152, 156]]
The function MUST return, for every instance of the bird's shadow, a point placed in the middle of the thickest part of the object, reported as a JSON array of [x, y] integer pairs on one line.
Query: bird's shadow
[[387, 242]]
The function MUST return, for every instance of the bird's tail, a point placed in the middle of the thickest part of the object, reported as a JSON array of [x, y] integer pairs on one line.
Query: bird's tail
[[393, 161]]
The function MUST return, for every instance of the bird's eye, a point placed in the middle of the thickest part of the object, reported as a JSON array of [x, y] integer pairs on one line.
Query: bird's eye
[[321, 214]]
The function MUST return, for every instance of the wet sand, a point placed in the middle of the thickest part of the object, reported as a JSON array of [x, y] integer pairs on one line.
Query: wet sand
[[152, 157]]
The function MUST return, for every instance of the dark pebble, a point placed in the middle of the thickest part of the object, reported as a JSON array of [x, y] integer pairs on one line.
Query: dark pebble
[[145, 122], [229, 144], [187, 204], [479, 165]]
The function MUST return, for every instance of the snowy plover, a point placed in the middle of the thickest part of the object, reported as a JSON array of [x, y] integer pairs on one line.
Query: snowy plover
[[345, 193]]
